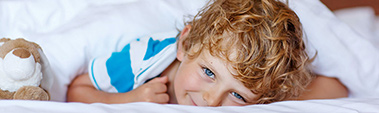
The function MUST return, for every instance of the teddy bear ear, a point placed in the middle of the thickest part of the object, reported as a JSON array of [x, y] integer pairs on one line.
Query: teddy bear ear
[[4, 39], [37, 46]]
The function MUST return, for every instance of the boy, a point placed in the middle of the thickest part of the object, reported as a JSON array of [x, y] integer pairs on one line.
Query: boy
[[233, 53]]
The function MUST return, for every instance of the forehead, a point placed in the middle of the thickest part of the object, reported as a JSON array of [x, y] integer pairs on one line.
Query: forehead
[[223, 45], [226, 47], [219, 63]]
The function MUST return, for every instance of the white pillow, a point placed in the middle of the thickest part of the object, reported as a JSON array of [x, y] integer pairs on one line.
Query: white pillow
[[341, 51], [362, 20]]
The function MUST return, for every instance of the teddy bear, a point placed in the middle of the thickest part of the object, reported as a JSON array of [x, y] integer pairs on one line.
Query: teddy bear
[[20, 70]]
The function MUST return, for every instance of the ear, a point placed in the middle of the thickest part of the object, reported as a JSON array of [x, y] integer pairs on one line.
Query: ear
[[184, 34]]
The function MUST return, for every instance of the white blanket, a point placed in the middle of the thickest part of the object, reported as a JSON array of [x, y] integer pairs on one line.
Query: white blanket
[[72, 32]]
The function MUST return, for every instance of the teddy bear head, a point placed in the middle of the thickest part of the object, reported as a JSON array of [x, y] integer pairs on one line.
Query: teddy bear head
[[21, 47], [19, 64]]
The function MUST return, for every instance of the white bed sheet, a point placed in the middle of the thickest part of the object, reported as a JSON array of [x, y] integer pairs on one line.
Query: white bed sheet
[[319, 106], [72, 32]]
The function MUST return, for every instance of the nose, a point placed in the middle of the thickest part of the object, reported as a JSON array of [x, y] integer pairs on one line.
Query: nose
[[19, 64], [22, 53], [214, 96]]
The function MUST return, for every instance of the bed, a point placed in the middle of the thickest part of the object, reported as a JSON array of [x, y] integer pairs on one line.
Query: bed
[[73, 32]]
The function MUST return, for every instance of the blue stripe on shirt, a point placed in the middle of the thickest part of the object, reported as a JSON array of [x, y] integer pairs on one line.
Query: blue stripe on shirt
[[120, 70], [155, 46], [93, 76]]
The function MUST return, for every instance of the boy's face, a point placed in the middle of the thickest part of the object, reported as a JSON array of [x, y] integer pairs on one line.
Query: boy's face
[[207, 81]]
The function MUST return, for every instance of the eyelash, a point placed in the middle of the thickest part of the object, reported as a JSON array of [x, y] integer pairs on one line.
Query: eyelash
[[209, 73], [238, 96]]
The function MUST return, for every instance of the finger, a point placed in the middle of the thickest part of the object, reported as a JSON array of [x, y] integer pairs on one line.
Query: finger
[[162, 98], [159, 87], [163, 79]]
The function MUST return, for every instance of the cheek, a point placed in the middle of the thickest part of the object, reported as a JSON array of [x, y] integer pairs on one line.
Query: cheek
[[188, 79]]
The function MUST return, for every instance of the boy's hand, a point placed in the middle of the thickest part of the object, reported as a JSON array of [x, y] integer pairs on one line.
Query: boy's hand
[[152, 91]]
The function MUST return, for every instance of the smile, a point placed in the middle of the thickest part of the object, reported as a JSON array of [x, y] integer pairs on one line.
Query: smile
[[192, 101]]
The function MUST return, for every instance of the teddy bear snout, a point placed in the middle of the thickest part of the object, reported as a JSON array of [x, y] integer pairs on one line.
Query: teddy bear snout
[[22, 53], [19, 64]]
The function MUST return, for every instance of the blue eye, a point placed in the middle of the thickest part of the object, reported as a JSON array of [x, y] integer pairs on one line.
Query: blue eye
[[209, 73], [238, 96]]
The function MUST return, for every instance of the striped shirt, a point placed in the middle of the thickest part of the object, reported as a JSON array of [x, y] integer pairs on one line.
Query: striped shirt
[[138, 61]]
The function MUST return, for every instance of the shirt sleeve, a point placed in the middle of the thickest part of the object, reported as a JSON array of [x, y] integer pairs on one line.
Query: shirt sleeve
[[113, 73], [136, 62]]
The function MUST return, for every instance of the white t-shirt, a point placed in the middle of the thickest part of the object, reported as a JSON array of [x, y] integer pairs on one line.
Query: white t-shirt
[[139, 61]]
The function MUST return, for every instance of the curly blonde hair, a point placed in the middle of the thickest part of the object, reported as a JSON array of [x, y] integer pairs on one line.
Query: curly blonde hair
[[265, 38]]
